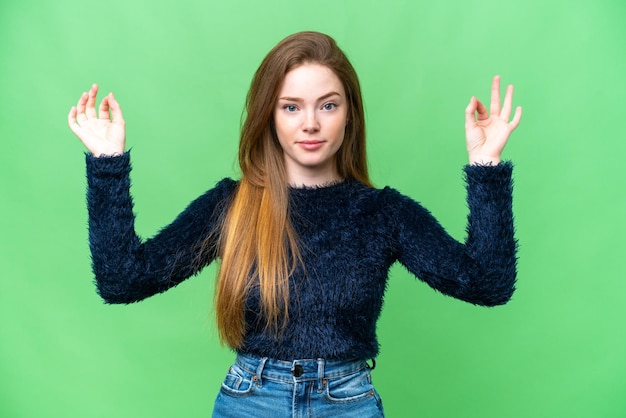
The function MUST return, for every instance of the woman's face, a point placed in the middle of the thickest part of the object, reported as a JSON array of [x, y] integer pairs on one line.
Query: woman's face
[[310, 119]]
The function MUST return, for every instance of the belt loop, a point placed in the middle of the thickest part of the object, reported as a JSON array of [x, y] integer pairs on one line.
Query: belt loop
[[259, 371], [320, 374]]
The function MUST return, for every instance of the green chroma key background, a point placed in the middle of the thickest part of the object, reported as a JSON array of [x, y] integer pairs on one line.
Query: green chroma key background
[[181, 71]]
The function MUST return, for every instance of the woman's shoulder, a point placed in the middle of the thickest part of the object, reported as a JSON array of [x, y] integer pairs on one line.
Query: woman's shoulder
[[218, 195], [383, 195], [227, 184], [385, 198], [223, 189]]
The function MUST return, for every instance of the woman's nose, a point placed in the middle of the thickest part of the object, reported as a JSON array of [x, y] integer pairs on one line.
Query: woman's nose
[[310, 123]]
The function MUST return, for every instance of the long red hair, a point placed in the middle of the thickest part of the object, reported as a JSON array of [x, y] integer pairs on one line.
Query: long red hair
[[257, 243]]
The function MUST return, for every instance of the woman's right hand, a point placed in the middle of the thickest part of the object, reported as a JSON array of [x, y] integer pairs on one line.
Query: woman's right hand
[[103, 134]]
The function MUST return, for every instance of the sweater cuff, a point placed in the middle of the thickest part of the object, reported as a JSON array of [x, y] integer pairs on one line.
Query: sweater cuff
[[499, 173], [107, 166]]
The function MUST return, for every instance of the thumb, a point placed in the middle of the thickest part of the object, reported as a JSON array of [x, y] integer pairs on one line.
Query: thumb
[[116, 110], [470, 119]]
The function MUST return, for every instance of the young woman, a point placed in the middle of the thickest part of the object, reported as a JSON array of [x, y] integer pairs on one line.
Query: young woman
[[305, 241]]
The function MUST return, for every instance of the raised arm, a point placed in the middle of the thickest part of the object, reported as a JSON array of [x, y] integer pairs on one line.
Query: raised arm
[[481, 270], [127, 268]]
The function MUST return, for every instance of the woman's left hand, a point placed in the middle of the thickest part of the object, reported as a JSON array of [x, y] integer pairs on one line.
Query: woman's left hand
[[487, 133]]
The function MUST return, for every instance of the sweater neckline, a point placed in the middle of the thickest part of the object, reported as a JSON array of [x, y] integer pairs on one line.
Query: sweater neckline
[[323, 186]]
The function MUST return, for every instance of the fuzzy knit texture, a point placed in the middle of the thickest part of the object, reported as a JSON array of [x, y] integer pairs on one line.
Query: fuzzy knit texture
[[350, 235]]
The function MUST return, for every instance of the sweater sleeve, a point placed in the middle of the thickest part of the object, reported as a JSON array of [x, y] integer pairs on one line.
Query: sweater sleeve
[[483, 269], [126, 268]]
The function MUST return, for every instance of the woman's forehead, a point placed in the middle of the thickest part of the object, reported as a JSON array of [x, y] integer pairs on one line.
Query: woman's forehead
[[310, 81]]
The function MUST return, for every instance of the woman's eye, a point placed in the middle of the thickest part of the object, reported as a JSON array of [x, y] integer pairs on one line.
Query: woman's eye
[[290, 108], [329, 106]]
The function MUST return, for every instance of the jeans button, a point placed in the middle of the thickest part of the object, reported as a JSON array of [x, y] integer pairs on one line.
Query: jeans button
[[297, 370]]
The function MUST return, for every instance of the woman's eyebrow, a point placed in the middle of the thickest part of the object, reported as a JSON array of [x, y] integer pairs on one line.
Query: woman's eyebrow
[[299, 100]]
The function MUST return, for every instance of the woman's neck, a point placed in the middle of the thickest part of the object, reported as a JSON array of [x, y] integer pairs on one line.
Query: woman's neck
[[313, 176]]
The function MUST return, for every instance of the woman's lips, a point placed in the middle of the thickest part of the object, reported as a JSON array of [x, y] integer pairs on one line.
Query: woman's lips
[[311, 145]]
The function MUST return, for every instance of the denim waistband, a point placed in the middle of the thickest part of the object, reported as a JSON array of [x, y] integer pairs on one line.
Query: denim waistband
[[298, 370]]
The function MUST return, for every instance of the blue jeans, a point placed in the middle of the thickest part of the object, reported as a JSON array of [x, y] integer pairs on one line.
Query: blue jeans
[[260, 387]]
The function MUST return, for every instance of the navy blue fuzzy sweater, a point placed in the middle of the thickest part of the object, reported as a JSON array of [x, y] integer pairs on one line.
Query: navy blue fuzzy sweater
[[350, 235]]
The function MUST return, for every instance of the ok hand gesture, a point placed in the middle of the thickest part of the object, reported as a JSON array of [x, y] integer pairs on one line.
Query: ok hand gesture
[[487, 134], [103, 134]]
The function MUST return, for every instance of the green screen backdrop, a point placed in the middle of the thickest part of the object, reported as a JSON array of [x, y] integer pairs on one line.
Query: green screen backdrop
[[181, 71]]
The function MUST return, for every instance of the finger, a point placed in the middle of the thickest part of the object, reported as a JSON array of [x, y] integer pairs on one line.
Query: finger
[[508, 103], [495, 96], [71, 120], [517, 117], [80, 107], [470, 118], [103, 111], [90, 109], [116, 110], [482, 110]]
